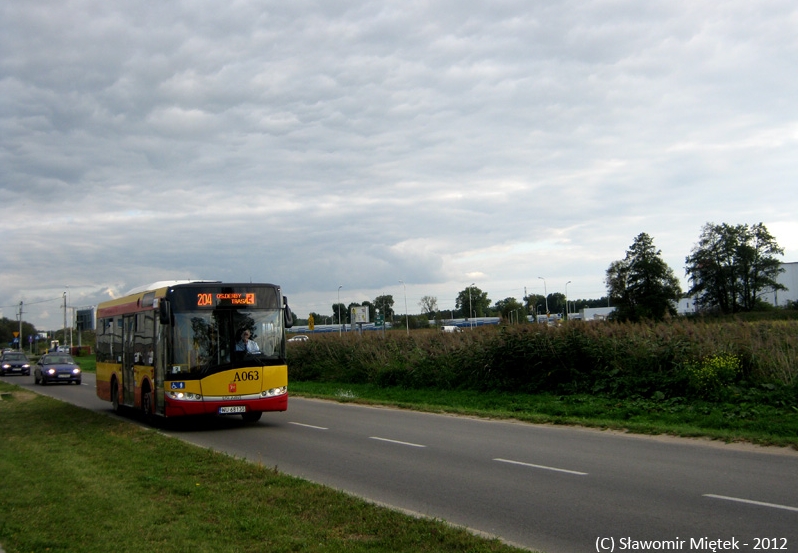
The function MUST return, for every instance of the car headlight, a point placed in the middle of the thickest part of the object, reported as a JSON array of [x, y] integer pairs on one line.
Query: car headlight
[[26, 366], [6, 366], [76, 370], [51, 371]]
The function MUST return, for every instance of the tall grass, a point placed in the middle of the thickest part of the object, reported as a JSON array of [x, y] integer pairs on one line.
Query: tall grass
[[619, 360]]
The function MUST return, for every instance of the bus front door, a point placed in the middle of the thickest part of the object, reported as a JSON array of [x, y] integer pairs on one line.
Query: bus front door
[[128, 378]]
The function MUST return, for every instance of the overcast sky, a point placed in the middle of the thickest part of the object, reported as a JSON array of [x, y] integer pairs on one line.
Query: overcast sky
[[360, 143]]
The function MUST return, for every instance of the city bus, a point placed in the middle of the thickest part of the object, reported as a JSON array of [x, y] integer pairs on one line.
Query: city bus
[[179, 348]]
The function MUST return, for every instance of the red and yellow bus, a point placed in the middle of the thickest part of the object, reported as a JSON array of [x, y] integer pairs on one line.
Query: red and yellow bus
[[177, 348]]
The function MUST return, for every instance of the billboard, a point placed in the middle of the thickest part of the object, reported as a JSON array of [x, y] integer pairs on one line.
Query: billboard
[[84, 319], [360, 314]]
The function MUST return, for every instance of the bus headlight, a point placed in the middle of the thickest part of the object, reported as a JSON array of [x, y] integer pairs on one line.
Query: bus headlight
[[275, 391], [185, 396]]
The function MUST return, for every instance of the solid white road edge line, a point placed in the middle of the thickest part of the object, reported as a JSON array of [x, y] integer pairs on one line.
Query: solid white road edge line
[[541, 467], [752, 502]]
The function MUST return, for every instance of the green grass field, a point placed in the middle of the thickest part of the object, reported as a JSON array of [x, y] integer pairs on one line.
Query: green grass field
[[745, 422], [74, 480]]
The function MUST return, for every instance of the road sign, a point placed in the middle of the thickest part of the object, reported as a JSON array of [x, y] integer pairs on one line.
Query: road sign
[[311, 322], [379, 319]]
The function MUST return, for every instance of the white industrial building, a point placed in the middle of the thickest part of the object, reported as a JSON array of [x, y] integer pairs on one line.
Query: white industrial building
[[779, 298], [789, 278]]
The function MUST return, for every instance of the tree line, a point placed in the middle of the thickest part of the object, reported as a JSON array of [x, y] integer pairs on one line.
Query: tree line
[[729, 269], [471, 300], [9, 330]]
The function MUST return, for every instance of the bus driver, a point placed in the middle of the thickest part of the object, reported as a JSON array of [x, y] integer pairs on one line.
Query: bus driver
[[245, 344]]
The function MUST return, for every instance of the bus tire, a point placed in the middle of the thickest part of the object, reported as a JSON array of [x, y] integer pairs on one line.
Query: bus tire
[[115, 396], [146, 403], [252, 416]]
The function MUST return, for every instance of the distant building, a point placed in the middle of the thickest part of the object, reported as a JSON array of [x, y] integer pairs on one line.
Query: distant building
[[596, 313], [789, 278], [686, 306]]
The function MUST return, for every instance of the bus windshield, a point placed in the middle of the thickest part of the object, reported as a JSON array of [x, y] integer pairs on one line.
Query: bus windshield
[[206, 342]]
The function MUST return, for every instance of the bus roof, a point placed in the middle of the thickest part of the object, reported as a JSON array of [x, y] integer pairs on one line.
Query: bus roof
[[143, 298], [164, 284]]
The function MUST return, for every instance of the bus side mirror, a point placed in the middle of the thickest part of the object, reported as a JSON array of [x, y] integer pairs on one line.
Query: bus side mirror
[[287, 315], [164, 312]]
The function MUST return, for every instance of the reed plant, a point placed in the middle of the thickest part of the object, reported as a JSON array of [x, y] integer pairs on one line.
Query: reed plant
[[641, 360]]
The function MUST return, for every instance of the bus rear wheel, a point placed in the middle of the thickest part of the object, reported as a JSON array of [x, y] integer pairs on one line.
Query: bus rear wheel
[[252, 416]]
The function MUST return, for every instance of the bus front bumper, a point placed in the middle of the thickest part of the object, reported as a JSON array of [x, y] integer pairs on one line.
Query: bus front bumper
[[209, 406]]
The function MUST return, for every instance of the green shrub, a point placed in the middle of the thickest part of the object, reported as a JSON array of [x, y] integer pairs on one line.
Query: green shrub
[[677, 358], [712, 377]]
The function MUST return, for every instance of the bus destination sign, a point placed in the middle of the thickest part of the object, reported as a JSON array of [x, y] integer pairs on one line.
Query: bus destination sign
[[205, 299]]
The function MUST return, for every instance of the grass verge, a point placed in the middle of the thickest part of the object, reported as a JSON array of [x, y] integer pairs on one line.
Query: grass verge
[[74, 480], [739, 422]]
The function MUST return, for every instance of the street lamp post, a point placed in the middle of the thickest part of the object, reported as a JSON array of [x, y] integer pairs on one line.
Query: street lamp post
[[546, 294], [19, 343], [339, 309], [470, 318], [407, 320], [566, 299]]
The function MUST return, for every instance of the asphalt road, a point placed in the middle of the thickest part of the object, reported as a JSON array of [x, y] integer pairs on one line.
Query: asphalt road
[[555, 489]]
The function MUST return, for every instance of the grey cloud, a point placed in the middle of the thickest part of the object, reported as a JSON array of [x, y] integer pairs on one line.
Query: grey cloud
[[363, 142]]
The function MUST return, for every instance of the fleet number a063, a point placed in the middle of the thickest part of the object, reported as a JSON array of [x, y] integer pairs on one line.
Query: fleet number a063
[[243, 376]]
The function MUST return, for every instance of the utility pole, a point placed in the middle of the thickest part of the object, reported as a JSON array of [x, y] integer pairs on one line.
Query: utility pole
[[65, 315], [407, 317], [19, 344]]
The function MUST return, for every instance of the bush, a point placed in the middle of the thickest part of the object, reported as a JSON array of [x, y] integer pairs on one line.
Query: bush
[[712, 377]]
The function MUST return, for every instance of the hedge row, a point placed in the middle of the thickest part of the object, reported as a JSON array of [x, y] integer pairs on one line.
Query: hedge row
[[681, 358]]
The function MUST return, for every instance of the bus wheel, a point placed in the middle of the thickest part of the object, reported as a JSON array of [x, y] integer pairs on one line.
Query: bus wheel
[[251, 416], [115, 396], [146, 404]]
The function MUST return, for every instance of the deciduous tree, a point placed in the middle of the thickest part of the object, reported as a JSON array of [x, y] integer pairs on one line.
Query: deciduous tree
[[535, 303], [339, 313], [511, 310], [642, 285], [732, 266], [429, 305], [474, 300], [385, 305]]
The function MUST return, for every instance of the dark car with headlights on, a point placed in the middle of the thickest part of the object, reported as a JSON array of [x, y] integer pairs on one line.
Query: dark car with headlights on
[[14, 362], [56, 367]]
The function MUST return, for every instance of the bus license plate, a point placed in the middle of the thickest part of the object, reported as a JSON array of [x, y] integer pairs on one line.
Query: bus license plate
[[232, 409]]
